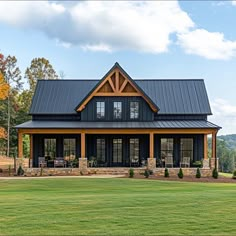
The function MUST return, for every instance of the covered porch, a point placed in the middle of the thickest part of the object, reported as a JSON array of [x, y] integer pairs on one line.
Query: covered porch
[[107, 148]]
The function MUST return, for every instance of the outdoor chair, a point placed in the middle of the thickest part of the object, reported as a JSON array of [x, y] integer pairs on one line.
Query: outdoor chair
[[169, 161], [59, 162], [42, 162], [185, 162]]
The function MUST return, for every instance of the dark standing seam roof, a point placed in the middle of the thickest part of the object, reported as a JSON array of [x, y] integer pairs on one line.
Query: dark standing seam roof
[[170, 96], [178, 124]]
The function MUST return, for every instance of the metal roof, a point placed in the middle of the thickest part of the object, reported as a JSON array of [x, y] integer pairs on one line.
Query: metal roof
[[170, 96], [171, 124]]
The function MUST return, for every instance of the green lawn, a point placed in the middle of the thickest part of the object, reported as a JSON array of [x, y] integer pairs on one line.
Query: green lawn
[[116, 207]]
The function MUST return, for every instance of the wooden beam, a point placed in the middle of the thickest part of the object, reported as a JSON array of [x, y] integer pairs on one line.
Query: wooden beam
[[213, 145], [117, 80], [20, 144], [31, 147], [117, 131], [83, 145], [117, 94], [151, 145], [123, 86], [205, 147], [111, 84]]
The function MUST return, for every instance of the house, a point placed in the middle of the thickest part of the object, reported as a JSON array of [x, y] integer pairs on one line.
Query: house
[[120, 122]]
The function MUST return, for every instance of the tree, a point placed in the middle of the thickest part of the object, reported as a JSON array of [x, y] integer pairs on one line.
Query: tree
[[40, 68], [12, 76]]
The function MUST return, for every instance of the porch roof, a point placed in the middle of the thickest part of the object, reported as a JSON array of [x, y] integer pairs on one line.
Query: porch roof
[[170, 124]]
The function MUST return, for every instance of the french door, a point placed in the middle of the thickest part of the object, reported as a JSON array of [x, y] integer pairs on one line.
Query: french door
[[117, 152]]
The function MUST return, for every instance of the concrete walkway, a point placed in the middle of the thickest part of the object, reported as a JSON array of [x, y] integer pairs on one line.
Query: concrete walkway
[[65, 177]]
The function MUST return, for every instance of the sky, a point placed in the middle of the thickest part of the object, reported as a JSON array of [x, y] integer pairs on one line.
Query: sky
[[149, 39]]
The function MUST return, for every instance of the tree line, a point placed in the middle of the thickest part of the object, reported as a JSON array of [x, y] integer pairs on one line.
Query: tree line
[[16, 96]]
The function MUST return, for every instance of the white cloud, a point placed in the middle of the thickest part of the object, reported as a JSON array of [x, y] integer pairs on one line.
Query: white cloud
[[224, 115], [234, 3], [211, 45], [102, 25]]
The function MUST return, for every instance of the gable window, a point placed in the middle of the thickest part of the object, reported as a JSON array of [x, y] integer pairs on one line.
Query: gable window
[[100, 108], [134, 110], [117, 110]]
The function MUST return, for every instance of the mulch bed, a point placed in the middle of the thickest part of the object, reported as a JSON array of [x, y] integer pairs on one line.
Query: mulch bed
[[221, 179]]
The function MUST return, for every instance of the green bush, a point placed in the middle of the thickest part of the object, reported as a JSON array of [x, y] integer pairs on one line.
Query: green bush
[[150, 172], [180, 174], [234, 175], [131, 172], [215, 174], [198, 174], [146, 173], [166, 174], [197, 164], [20, 171], [1, 170]]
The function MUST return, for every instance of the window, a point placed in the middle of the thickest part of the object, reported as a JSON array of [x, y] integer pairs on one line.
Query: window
[[186, 148], [167, 148], [50, 147], [100, 107], [117, 150], [101, 155], [117, 110], [69, 149], [134, 150], [134, 110]]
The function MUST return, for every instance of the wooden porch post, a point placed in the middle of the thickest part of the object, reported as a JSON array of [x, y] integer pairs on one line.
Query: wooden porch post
[[205, 147], [20, 144], [82, 145], [214, 145], [151, 145], [31, 150]]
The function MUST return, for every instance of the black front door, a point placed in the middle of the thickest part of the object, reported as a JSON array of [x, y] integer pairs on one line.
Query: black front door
[[117, 152]]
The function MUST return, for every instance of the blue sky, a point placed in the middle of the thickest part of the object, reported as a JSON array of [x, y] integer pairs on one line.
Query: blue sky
[[171, 39]]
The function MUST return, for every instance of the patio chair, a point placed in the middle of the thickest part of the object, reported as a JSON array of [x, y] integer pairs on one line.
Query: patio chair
[[169, 161], [59, 162], [185, 162], [42, 162]]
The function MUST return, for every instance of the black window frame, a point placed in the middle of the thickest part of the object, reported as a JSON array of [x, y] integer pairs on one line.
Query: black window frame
[[114, 117], [70, 148], [48, 142], [130, 112], [100, 107], [101, 148]]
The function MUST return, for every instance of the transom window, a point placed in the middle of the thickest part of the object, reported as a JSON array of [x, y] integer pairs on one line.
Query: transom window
[[50, 147], [117, 110], [167, 148], [134, 150], [134, 110], [100, 108], [101, 155], [186, 148], [69, 147]]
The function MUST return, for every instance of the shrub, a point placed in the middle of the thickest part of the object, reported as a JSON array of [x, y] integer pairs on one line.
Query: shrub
[[146, 173], [215, 174], [20, 171], [198, 174], [180, 174], [234, 175], [166, 174], [131, 172], [1, 170], [150, 172]]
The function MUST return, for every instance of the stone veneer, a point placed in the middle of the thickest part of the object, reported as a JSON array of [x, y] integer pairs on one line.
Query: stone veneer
[[83, 165], [151, 163]]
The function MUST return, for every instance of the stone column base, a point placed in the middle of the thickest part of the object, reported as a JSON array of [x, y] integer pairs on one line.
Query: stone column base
[[151, 163], [206, 164], [83, 165], [213, 160]]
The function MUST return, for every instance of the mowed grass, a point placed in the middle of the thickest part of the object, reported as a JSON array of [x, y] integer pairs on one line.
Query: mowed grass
[[116, 207]]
